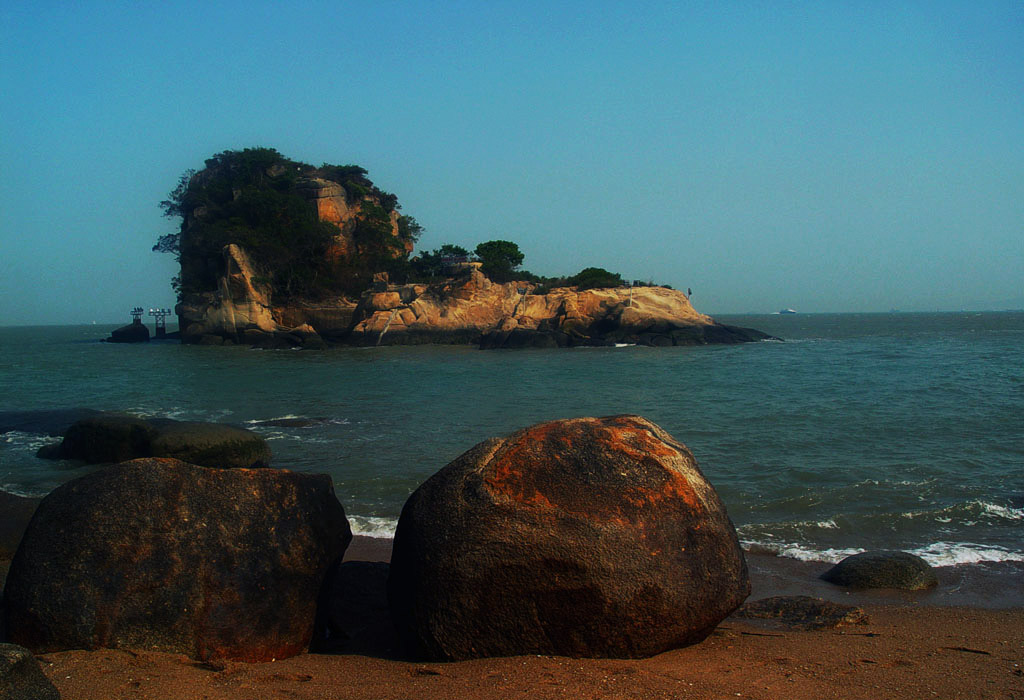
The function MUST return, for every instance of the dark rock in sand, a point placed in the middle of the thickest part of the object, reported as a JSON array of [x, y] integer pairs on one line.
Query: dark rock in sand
[[586, 537], [21, 677], [883, 569], [162, 555], [132, 333], [354, 607], [117, 438], [15, 512], [802, 612]]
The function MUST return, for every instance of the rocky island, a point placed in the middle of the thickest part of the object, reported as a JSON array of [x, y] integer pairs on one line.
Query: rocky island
[[276, 253]]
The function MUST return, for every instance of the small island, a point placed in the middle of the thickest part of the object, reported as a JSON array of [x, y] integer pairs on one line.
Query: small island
[[275, 253]]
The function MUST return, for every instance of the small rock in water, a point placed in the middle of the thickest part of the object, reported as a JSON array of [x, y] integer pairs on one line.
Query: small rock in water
[[114, 437], [802, 612], [883, 569], [132, 333]]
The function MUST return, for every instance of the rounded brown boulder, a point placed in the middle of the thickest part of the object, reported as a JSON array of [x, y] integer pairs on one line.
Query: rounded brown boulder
[[162, 555], [591, 537]]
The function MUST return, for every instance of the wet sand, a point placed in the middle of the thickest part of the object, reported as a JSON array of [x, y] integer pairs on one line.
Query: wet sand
[[963, 640]]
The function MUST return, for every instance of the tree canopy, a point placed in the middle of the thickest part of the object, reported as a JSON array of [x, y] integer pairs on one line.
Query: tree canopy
[[253, 198], [500, 259]]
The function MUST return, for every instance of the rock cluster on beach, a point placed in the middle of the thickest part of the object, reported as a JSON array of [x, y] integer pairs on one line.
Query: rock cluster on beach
[[584, 537], [587, 537], [468, 308]]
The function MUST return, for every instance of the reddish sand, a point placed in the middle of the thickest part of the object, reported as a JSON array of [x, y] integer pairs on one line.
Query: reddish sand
[[914, 646], [902, 653]]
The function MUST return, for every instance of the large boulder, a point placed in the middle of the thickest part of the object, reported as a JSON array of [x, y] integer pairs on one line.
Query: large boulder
[[112, 437], [21, 678], [162, 555], [883, 569], [594, 537]]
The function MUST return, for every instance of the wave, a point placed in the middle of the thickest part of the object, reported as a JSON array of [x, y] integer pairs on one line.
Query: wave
[[19, 440], [369, 526], [953, 553], [968, 512], [936, 554], [292, 420]]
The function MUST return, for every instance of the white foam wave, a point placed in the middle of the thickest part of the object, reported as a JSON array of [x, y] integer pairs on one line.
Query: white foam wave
[[28, 441], [976, 508], [953, 553], [17, 490], [996, 511], [800, 552], [936, 554], [369, 526], [273, 434], [287, 416]]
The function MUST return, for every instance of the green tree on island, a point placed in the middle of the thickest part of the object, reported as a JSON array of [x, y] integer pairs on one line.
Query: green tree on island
[[500, 259]]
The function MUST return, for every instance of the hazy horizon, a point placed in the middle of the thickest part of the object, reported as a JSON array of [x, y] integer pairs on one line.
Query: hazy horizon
[[826, 158]]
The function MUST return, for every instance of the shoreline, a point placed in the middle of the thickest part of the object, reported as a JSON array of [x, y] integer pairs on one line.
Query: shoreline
[[982, 585], [912, 645]]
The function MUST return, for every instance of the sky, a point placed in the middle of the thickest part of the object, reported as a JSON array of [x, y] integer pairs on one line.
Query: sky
[[821, 156]]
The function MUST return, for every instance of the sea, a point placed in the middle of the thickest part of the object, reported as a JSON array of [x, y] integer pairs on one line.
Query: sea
[[853, 432]]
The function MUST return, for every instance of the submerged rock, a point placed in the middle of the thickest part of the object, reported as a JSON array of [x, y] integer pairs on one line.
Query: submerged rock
[[106, 438], [883, 569], [112, 437], [162, 555], [21, 678], [585, 537], [52, 422], [209, 444]]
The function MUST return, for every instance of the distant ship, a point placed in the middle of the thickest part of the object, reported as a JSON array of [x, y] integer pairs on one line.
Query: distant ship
[[786, 311]]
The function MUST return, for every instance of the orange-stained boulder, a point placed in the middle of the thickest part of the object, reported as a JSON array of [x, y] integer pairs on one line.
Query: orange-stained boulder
[[161, 555], [591, 537]]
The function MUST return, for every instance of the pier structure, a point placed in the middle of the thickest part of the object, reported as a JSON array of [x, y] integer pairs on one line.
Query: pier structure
[[160, 316]]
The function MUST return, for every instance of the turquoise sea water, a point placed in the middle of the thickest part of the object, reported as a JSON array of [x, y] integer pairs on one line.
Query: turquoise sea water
[[860, 431]]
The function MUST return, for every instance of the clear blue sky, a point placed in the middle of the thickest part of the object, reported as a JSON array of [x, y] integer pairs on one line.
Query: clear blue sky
[[826, 156]]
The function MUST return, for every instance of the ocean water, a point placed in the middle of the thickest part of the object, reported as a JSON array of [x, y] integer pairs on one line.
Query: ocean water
[[860, 431]]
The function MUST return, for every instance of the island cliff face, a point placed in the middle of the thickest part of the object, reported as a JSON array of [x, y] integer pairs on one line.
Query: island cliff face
[[465, 309]]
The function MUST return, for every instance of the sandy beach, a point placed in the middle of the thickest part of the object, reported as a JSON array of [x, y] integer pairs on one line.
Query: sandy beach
[[962, 640]]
